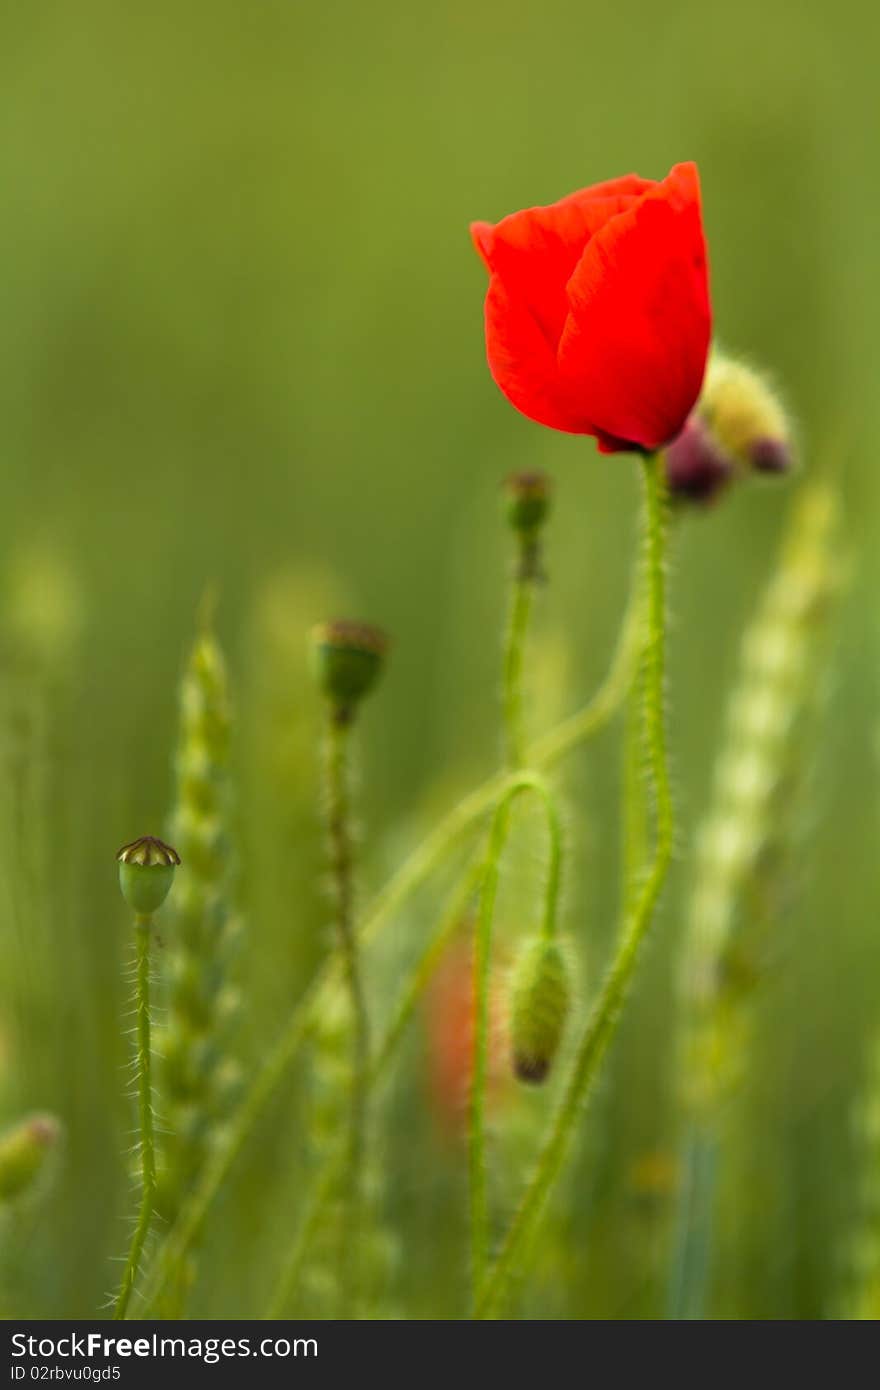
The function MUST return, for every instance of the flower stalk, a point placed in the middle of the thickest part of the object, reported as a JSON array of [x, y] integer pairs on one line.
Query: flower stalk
[[339, 831], [348, 659], [143, 929], [528, 501], [146, 872], [603, 1021]]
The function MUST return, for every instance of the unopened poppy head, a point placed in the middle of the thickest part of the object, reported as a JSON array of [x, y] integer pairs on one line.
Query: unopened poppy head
[[597, 314], [347, 658], [146, 873], [697, 468], [746, 416], [738, 426]]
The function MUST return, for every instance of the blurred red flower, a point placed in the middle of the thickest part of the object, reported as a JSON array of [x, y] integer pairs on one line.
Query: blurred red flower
[[450, 1034], [597, 314]]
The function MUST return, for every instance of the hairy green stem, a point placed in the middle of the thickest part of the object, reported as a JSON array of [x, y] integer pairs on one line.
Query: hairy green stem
[[543, 754], [416, 870], [143, 928], [268, 1078], [522, 594], [634, 818], [338, 811], [605, 1015], [479, 1203]]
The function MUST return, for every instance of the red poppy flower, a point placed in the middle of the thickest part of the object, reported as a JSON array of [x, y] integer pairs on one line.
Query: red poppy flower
[[450, 1019], [597, 314]]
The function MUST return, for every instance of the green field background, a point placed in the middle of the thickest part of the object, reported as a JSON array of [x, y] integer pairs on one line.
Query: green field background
[[242, 344]]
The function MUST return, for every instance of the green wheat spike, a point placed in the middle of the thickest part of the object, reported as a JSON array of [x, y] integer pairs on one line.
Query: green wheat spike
[[198, 1074], [743, 861]]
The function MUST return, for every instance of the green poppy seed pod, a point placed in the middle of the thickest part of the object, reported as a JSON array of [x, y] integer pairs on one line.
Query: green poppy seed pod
[[146, 872], [541, 993], [23, 1153], [527, 498], [347, 659]]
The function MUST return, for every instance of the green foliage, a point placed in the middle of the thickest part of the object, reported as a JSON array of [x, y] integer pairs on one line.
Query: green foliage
[[242, 339]]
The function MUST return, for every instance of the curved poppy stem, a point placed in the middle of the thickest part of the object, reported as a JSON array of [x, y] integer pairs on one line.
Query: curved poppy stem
[[603, 1020], [479, 1202]]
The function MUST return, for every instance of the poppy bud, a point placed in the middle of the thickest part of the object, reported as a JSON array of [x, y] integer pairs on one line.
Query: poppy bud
[[540, 999], [23, 1152], [745, 417], [696, 468], [770, 456], [347, 659], [527, 497], [146, 872]]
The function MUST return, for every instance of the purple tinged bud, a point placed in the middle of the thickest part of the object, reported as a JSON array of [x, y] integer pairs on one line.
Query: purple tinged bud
[[697, 469], [770, 455]]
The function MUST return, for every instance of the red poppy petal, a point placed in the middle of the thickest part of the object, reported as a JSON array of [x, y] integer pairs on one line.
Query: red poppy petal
[[536, 250], [566, 223], [626, 185], [523, 363], [481, 235], [634, 347]]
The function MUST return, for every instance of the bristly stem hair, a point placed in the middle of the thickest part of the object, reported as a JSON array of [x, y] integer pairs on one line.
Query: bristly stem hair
[[605, 1015], [145, 1115], [528, 499], [339, 831], [521, 600]]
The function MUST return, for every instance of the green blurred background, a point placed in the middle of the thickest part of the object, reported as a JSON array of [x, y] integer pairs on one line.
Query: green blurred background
[[242, 344]]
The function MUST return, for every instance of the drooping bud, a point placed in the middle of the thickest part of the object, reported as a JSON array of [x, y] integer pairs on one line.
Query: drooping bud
[[696, 468], [770, 456], [23, 1153], [738, 427], [146, 872], [745, 417], [347, 659], [540, 997]]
